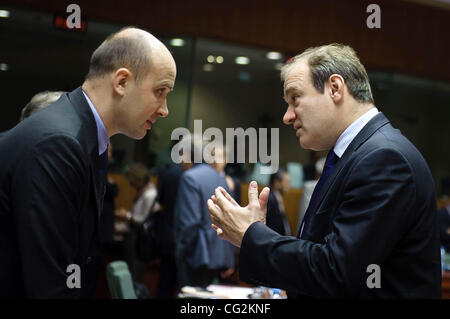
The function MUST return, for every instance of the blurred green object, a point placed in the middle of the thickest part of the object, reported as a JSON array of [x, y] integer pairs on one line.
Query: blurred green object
[[119, 280], [446, 260]]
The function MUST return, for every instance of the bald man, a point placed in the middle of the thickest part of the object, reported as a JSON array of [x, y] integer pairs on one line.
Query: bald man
[[53, 174]]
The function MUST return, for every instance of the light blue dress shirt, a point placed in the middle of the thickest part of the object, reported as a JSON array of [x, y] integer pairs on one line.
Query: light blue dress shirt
[[102, 135]]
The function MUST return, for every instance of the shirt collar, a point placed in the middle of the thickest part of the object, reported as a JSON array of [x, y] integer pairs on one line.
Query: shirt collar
[[102, 135], [350, 132]]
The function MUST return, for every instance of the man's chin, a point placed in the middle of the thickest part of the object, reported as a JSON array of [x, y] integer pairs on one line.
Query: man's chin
[[302, 143], [305, 145], [137, 135]]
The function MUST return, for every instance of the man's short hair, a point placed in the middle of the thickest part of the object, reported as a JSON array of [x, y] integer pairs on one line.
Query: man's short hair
[[278, 176], [38, 102], [130, 51], [327, 60]]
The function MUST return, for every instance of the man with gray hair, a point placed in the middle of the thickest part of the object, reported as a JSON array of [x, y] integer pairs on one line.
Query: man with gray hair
[[53, 168], [371, 229], [39, 101]]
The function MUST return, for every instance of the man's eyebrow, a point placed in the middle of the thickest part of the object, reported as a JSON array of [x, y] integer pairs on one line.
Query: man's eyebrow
[[289, 89], [168, 84]]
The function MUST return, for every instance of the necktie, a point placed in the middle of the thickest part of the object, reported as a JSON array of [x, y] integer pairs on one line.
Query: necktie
[[328, 168]]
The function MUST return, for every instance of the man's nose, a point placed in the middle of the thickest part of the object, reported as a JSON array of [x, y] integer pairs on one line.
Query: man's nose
[[289, 116], [163, 110]]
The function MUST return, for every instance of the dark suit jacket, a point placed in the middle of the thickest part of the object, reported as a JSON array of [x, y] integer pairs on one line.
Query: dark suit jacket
[[274, 217], [107, 215], [50, 201], [168, 181], [197, 244], [377, 207]]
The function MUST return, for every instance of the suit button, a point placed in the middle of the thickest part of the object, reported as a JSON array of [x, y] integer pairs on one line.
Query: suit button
[[89, 259]]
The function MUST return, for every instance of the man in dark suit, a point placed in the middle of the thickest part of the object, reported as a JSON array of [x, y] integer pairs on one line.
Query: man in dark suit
[[280, 183], [52, 168], [168, 181], [371, 228]]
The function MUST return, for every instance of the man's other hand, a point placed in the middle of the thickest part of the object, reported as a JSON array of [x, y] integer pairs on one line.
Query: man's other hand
[[230, 220]]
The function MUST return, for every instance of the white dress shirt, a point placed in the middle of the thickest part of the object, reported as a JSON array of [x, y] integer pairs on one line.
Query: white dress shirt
[[352, 130]]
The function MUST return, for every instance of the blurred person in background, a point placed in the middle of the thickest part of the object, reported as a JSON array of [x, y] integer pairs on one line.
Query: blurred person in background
[[219, 166], [280, 183], [309, 170], [140, 179], [308, 189], [38, 102], [168, 182], [201, 257], [444, 214]]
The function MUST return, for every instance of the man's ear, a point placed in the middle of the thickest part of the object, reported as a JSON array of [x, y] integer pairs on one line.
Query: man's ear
[[336, 87], [121, 81]]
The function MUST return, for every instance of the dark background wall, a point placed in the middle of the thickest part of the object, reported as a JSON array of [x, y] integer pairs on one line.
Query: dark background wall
[[413, 37]]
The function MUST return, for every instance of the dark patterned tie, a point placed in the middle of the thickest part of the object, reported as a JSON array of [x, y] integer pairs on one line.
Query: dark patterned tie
[[328, 168]]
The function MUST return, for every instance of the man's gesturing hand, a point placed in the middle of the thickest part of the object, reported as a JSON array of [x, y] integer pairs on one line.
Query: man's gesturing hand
[[231, 220]]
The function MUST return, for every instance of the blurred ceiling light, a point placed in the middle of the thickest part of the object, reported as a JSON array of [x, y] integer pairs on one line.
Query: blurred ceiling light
[[177, 42], [274, 55], [219, 59], [4, 13], [3, 67], [210, 59], [243, 60], [278, 66], [208, 67]]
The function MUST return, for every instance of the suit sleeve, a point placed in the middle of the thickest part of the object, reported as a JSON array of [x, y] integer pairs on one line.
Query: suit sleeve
[[191, 240], [47, 193], [369, 221]]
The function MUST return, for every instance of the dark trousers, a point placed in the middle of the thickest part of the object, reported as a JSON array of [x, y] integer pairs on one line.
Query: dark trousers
[[136, 266], [196, 277], [167, 278]]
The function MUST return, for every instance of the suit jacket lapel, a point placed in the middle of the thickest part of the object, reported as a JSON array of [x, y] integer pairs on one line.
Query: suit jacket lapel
[[89, 138], [368, 130]]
